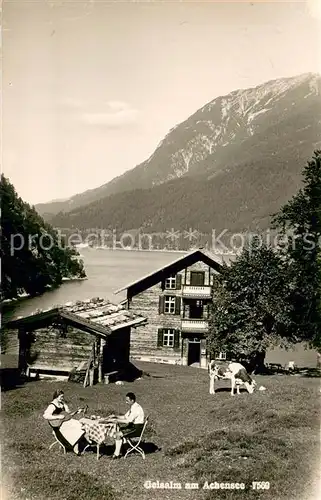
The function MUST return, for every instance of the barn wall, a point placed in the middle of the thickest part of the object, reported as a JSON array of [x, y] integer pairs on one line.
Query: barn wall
[[52, 351]]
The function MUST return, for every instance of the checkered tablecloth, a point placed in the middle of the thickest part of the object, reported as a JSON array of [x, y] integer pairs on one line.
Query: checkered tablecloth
[[96, 431]]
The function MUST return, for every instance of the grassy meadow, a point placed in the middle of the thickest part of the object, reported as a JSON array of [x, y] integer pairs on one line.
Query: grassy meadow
[[193, 437]]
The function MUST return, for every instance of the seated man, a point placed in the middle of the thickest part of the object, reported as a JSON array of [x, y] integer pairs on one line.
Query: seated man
[[130, 424]]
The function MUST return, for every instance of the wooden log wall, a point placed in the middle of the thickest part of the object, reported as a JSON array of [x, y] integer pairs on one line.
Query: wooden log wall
[[144, 338], [55, 351], [9, 342]]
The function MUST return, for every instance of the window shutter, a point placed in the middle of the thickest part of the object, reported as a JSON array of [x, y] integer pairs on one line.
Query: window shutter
[[161, 304], [177, 305], [163, 284], [178, 281], [176, 339], [160, 337]]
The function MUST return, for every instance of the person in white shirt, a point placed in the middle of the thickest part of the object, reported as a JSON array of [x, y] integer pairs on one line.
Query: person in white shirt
[[130, 424]]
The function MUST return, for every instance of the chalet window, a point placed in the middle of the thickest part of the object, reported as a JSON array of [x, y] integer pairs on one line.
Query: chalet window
[[220, 355], [173, 282], [169, 304], [197, 278], [170, 282], [168, 337]]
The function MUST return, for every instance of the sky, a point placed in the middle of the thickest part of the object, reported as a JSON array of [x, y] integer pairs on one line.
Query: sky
[[90, 87]]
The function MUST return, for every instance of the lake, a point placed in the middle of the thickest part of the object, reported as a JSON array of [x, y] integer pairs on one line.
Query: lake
[[107, 271]]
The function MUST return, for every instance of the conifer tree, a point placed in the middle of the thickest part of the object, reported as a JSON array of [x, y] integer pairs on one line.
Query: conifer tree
[[299, 221], [40, 260]]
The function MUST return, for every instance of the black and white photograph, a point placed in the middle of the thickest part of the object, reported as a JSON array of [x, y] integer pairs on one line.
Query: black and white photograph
[[160, 250]]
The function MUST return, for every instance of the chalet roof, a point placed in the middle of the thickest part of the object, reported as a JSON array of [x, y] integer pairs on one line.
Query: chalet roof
[[97, 316], [174, 267]]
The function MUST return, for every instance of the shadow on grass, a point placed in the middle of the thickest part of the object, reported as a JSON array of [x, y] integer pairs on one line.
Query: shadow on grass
[[10, 379], [303, 372], [228, 389], [131, 373], [309, 372], [108, 450]]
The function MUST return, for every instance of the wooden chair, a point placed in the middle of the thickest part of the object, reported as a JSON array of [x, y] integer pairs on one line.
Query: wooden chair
[[134, 446]]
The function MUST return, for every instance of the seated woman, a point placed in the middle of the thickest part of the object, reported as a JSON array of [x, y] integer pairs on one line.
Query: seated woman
[[69, 428]]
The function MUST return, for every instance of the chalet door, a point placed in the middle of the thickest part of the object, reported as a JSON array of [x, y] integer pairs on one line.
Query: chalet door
[[196, 309], [197, 278], [194, 351]]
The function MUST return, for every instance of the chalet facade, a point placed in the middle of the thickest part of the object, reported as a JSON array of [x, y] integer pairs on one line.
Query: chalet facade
[[176, 301], [91, 336]]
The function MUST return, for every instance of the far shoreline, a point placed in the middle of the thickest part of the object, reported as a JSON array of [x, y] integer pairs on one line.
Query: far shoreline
[[24, 296], [156, 250]]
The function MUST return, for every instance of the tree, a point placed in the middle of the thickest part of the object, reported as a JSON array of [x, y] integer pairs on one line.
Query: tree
[[273, 296], [250, 310], [299, 221], [32, 256]]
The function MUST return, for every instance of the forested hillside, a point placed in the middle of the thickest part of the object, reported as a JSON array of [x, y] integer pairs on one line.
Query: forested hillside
[[32, 256], [241, 197]]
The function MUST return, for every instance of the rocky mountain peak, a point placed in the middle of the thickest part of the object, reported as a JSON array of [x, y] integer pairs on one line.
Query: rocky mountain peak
[[271, 119]]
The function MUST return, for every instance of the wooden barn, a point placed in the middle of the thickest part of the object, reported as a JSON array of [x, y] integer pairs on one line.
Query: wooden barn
[[90, 337]]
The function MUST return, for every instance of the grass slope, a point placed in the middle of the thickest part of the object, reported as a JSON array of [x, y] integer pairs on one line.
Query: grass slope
[[270, 436]]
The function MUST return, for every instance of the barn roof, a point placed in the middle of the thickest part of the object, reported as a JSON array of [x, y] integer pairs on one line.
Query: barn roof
[[97, 316], [174, 267]]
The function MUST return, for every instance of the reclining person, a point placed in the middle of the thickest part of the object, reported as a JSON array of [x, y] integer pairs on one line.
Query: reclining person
[[130, 424], [69, 428]]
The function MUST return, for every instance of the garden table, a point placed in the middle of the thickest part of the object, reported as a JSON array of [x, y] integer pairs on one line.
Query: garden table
[[98, 430]]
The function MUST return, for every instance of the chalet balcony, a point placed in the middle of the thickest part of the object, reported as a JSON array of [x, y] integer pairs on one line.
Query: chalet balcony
[[194, 325], [196, 292]]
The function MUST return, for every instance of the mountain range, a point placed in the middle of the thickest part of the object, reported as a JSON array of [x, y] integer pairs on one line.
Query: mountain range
[[231, 164]]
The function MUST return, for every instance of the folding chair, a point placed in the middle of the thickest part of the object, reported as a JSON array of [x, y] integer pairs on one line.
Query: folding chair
[[134, 446], [89, 445], [58, 439]]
